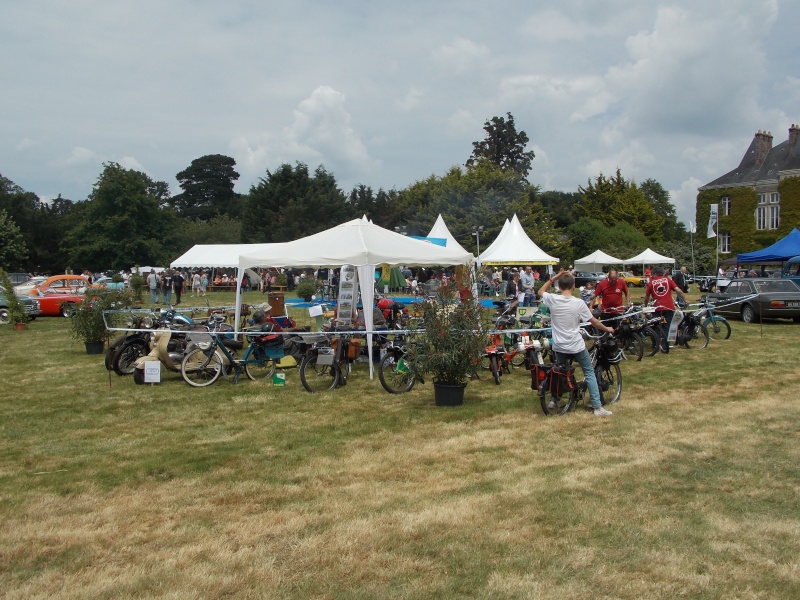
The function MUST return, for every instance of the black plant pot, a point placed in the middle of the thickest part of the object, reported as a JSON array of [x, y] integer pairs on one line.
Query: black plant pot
[[94, 347], [449, 394]]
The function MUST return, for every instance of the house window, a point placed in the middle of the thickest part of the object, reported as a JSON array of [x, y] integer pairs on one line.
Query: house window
[[725, 206], [725, 243], [774, 216], [761, 217], [774, 198]]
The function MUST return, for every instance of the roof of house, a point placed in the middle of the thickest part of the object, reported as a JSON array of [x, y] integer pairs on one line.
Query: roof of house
[[783, 157]]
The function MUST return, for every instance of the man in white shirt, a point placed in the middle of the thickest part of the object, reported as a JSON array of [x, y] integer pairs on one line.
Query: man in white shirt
[[566, 315]]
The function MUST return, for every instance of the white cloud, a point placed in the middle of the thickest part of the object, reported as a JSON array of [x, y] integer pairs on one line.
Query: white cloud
[[462, 57], [321, 133], [130, 162], [684, 199], [412, 100], [462, 121], [80, 156], [26, 144]]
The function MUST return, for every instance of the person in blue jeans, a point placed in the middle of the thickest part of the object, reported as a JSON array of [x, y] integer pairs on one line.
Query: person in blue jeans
[[567, 312], [153, 283]]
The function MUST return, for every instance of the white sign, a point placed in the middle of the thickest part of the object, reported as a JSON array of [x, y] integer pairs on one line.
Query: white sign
[[152, 371], [348, 284]]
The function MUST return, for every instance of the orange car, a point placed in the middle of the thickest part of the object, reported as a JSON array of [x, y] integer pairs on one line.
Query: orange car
[[62, 284]]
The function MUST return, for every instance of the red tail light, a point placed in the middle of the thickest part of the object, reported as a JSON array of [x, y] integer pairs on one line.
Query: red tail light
[[542, 375], [777, 303]]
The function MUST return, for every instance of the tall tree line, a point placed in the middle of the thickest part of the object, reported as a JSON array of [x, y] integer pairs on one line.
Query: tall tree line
[[131, 219]]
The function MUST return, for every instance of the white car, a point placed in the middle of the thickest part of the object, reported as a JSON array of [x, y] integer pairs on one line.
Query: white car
[[23, 289]]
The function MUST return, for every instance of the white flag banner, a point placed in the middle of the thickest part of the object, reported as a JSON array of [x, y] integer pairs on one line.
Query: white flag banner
[[712, 221], [692, 227]]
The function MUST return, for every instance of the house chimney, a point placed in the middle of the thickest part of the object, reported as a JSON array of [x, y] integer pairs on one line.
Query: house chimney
[[794, 135], [763, 146]]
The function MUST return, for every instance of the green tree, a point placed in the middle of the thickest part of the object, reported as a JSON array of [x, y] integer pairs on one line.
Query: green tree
[[503, 146], [613, 200], [122, 224], [13, 251], [561, 206], [291, 203], [482, 195], [217, 230], [207, 186], [655, 193], [377, 207]]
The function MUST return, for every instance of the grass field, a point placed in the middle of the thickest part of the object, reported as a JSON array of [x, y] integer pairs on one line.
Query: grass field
[[111, 490]]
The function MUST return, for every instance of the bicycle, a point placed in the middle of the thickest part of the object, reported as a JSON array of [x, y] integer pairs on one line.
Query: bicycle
[[328, 362], [717, 325], [691, 329], [632, 341], [214, 355], [558, 379]]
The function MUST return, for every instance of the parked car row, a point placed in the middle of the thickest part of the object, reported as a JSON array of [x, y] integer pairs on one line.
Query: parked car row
[[31, 307], [754, 298]]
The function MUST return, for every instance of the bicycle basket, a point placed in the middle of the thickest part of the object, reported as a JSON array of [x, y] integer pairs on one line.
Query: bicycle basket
[[538, 374], [325, 356], [612, 351], [562, 380], [201, 340]]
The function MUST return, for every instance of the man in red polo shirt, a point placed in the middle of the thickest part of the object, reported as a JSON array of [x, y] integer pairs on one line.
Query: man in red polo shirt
[[659, 288], [610, 292]]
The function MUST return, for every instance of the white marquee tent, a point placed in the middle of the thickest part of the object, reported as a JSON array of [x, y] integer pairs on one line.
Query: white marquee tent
[[216, 255], [360, 243], [595, 261], [514, 247], [649, 257], [440, 230], [506, 225]]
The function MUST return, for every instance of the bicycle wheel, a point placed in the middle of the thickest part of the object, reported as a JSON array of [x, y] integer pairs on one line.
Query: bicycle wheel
[[609, 380], [317, 378], [126, 356], [494, 363], [718, 328], [633, 345], [394, 377], [517, 358], [257, 366], [555, 406], [198, 369], [651, 341], [696, 333]]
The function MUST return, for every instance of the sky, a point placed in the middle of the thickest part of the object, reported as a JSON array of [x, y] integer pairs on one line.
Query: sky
[[388, 93]]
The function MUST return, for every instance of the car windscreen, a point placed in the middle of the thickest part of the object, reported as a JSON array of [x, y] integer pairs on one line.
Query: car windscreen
[[768, 287]]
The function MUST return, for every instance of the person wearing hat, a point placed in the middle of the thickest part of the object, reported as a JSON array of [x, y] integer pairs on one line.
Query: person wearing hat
[[153, 284]]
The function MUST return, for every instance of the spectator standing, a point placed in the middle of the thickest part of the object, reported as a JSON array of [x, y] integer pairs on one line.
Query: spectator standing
[[681, 279], [153, 283], [177, 285], [166, 287], [566, 315], [512, 287], [659, 288], [527, 282], [203, 283], [196, 284]]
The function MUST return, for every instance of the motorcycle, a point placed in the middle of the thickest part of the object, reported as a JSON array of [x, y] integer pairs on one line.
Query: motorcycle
[[169, 345]]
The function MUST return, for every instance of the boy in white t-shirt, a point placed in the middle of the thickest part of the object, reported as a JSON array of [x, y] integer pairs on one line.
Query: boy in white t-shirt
[[566, 315]]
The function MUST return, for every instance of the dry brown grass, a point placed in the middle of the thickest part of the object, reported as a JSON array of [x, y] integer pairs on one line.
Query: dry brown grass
[[689, 490]]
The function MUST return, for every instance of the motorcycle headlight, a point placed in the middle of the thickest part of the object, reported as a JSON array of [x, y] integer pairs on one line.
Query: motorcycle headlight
[[147, 322], [129, 322]]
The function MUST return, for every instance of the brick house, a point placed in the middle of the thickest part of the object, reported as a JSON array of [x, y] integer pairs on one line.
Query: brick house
[[759, 201]]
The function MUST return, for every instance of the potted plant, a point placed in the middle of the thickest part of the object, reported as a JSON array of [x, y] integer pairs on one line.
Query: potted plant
[[87, 323], [137, 284], [451, 347], [17, 315], [305, 290]]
